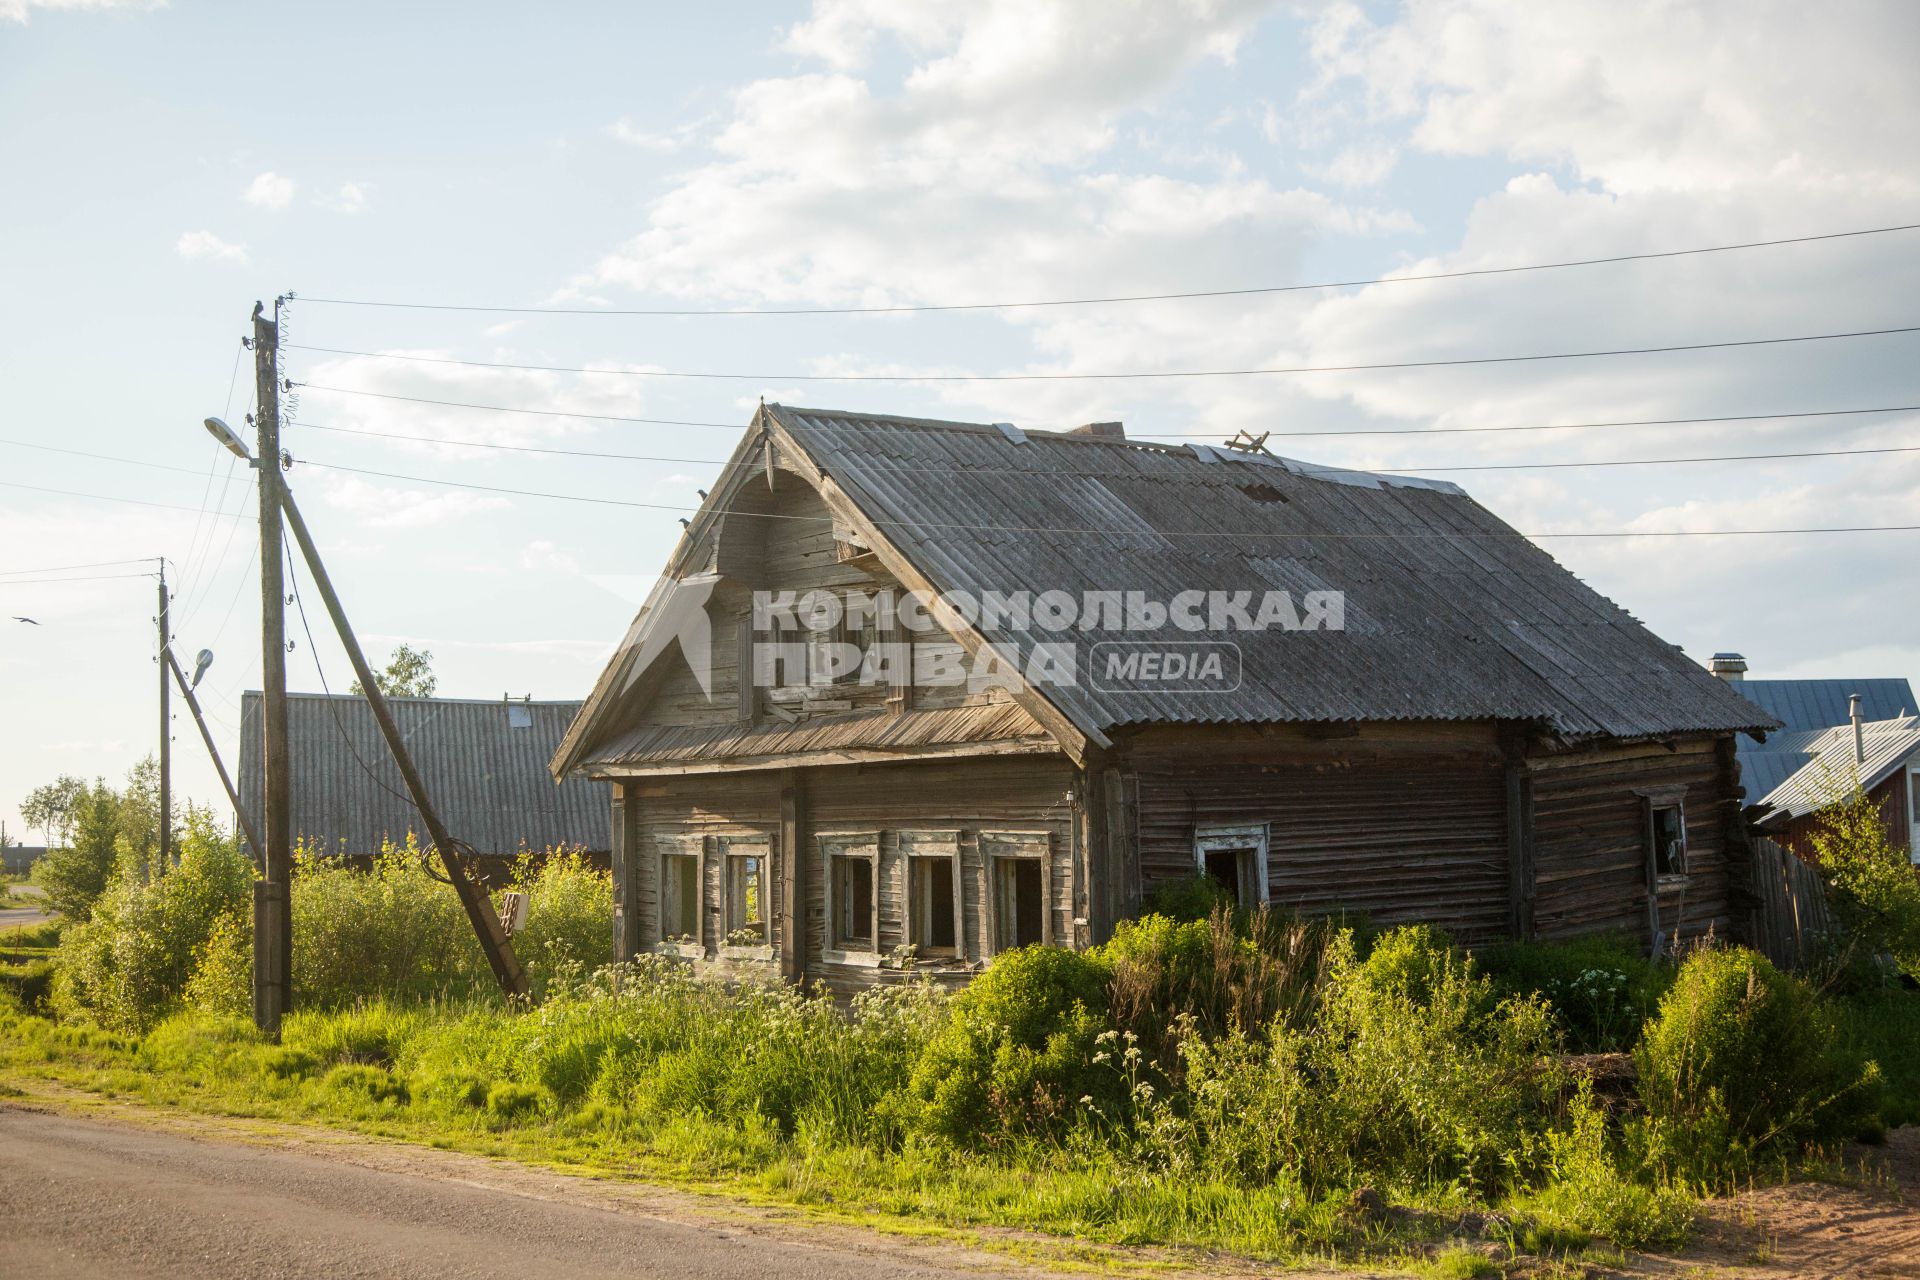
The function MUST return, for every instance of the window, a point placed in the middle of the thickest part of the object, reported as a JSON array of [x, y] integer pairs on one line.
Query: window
[[1236, 858], [1666, 833], [933, 892], [853, 905], [680, 897], [747, 895], [1019, 884]]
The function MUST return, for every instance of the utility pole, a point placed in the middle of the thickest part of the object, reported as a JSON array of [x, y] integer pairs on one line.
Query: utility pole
[[166, 731], [272, 902], [494, 940]]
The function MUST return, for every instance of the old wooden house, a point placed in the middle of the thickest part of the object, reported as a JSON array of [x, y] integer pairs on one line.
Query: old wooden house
[[1327, 689]]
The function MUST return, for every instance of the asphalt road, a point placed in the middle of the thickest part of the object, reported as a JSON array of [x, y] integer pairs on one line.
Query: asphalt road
[[81, 1196], [18, 917]]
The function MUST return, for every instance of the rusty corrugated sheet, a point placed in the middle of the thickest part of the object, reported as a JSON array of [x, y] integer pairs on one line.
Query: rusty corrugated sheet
[[484, 770], [1452, 614]]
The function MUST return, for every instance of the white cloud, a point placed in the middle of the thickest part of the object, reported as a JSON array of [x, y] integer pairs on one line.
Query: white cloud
[[196, 246], [426, 401], [542, 554], [269, 191], [349, 198], [390, 507], [20, 10]]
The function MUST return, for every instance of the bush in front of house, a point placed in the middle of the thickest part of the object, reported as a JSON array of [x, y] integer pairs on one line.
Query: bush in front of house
[[1602, 988], [569, 916], [1016, 1058], [1744, 1066]]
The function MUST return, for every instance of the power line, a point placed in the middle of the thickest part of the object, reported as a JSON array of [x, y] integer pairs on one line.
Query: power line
[[500, 408], [1122, 298], [63, 568], [1406, 466], [104, 497], [1194, 533], [1174, 435], [91, 577], [1128, 375], [108, 457]]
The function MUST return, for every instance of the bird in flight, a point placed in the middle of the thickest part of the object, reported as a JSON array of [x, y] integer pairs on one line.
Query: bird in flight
[[28, 621]]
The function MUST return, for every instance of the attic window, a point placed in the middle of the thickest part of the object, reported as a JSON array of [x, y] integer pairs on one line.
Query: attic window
[[519, 716], [1263, 493]]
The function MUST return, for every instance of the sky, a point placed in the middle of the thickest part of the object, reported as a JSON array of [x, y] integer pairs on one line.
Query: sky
[[162, 167]]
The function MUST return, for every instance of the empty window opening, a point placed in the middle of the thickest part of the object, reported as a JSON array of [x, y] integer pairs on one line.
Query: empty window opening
[[1235, 858], [933, 900], [679, 897], [852, 902], [1225, 867], [1668, 832], [746, 899], [1020, 909]]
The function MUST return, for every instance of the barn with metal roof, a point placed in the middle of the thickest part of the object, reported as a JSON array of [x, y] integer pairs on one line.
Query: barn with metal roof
[[483, 761]]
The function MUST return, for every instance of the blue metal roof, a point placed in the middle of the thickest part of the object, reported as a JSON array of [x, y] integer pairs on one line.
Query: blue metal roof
[[1807, 707]]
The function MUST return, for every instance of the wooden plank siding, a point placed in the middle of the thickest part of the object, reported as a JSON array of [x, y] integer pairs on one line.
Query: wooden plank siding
[[1590, 842], [1403, 823], [1029, 796]]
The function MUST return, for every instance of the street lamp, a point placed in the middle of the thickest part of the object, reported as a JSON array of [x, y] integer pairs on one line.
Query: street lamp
[[232, 443]]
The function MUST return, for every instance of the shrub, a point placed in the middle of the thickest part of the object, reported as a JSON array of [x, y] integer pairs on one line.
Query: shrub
[[1190, 900], [1744, 1063], [569, 916], [222, 981], [1593, 1185], [1600, 987], [388, 931], [1221, 974], [1883, 1026], [128, 965], [1016, 1058], [1876, 896], [1429, 1077]]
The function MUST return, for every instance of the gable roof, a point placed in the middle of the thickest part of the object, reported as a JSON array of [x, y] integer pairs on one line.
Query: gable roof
[[1805, 709], [483, 762], [1450, 613], [1830, 760]]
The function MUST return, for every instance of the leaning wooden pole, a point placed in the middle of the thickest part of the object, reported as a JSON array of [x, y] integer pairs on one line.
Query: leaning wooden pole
[[479, 907], [254, 846]]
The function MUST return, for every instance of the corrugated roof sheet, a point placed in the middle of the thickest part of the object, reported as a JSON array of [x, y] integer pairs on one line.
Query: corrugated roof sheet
[[485, 773], [1451, 614], [1831, 763], [1805, 708], [876, 731]]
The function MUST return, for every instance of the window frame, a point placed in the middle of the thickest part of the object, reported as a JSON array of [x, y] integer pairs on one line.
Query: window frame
[[737, 849], [997, 847], [1652, 801], [694, 848], [918, 848], [1256, 888], [861, 846]]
